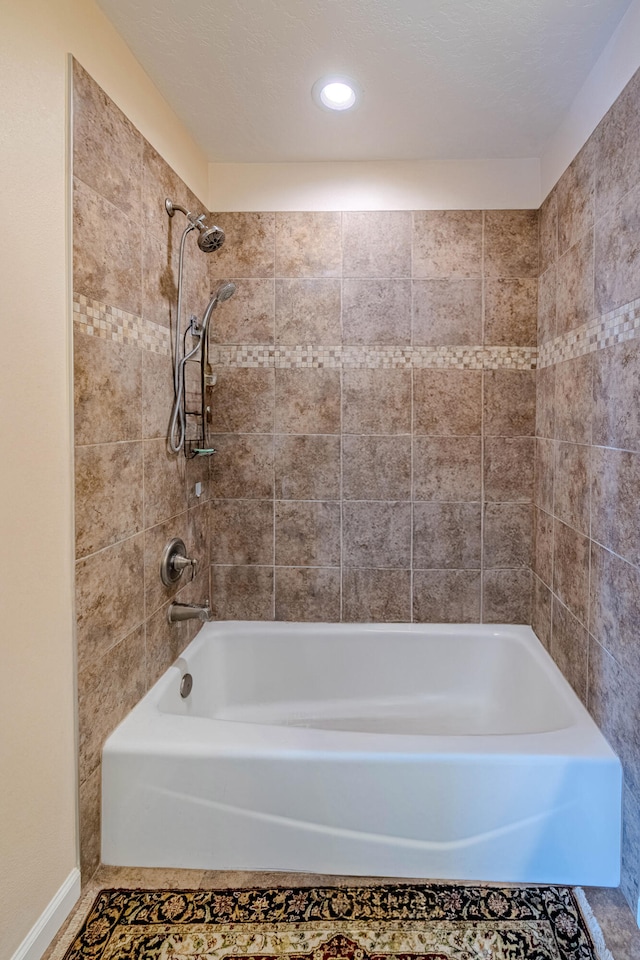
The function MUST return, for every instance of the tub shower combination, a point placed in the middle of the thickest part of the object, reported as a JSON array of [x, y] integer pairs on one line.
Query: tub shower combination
[[453, 752]]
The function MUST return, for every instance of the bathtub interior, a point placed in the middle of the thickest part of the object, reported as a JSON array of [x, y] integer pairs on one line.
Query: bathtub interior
[[397, 681]]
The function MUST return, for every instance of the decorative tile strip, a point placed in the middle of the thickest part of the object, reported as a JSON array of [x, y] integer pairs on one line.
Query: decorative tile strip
[[372, 357], [97, 319], [110, 323], [611, 328]]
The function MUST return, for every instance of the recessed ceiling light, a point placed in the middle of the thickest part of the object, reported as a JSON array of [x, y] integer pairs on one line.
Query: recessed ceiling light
[[335, 93]]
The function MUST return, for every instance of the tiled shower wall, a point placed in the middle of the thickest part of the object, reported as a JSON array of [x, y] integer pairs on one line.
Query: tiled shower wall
[[374, 416], [586, 607], [131, 496]]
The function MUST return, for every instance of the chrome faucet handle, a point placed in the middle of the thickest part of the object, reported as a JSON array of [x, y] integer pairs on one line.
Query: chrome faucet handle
[[175, 561], [180, 563]]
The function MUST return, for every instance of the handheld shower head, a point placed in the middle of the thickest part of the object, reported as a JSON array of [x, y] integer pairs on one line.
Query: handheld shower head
[[226, 289], [210, 239]]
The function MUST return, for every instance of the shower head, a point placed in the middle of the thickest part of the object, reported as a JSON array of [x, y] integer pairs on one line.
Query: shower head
[[209, 238]]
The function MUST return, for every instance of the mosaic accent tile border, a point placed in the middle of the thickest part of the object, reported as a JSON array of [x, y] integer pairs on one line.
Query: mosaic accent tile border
[[392, 357], [97, 319], [611, 328]]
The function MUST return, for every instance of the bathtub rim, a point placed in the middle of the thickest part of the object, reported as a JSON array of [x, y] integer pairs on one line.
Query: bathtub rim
[[148, 729]]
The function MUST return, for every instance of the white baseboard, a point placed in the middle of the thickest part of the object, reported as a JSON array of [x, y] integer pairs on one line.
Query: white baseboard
[[50, 920]]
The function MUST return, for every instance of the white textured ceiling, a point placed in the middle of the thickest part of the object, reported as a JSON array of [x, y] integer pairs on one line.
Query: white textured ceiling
[[441, 79]]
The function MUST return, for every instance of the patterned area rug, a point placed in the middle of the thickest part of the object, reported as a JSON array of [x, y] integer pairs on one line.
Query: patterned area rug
[[391, 922]]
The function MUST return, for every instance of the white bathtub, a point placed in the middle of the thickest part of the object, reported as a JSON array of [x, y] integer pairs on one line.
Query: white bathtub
[[452, 752]]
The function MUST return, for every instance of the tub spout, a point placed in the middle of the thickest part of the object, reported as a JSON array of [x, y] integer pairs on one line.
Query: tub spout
[[189, 611]]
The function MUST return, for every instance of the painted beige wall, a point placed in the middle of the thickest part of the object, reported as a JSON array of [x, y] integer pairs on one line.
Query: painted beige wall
[[37, 727]]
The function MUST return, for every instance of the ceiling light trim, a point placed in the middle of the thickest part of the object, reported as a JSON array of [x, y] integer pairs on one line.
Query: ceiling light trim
[[323, 101]]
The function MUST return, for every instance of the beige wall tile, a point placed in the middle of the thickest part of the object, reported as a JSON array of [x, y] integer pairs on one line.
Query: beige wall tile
[[511, 312], [507, 535], [447, 402], [543, 476], [573, 400], [547, 305], [543, 546], [615, 501], [446, 536], [571, 570], [614, 703], [159, 280], [308, 311], [160, 182], [305, 594], [157, 395], [242, 468], [548, 251], [509, 468], [617, 254], [570, 648], [307, 533], [241, 531], [575, 286], [511, 243], [572, 498], [307, 468], [509, 403], [307, 401], [447, 312], [576, 198], [107, 263], [545, 401], [108, 488], [376, 401], [248, 316], [377, 244], [164, 483], [447, 243], [249, 247], [541, 602], [376, 534], [376, 596], [506, 596], [242, 401], [447, 468], [308, 245], [90, 824], [376, 311], [107, 148], [446, 596], [615, 607], [376, 468], [617, 148], [107, 690], [629, 879], [242, 593], [109, 598], [107, 390], [616, 396], [197, 471]]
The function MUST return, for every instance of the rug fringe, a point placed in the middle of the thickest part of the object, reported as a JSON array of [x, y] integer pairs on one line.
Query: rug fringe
[[595, 931]]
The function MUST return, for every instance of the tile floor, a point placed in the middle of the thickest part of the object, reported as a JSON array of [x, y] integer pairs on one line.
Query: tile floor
[[611, 910]]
